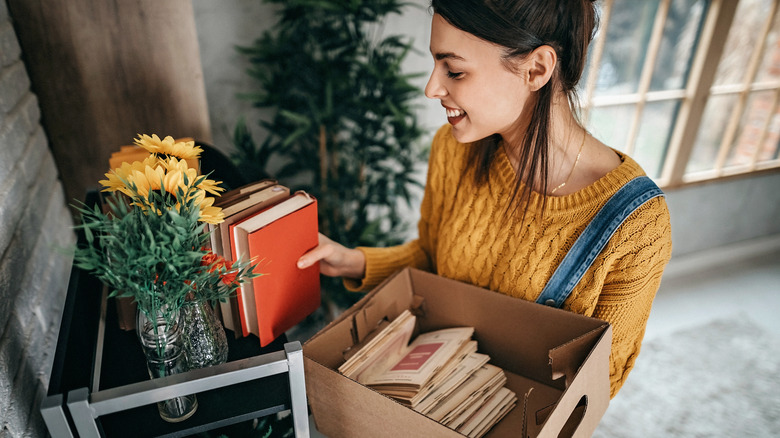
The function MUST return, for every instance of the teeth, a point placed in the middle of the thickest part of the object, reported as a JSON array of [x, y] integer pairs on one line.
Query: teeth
[[455, 112]]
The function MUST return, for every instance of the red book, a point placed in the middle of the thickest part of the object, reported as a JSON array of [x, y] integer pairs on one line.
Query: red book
[[275, 239]]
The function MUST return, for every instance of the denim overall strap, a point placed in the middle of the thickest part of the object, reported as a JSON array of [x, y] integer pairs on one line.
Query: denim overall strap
[[595, 236]]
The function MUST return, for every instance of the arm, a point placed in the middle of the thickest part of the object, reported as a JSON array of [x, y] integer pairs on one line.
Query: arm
[[363, 268], [627, 295]]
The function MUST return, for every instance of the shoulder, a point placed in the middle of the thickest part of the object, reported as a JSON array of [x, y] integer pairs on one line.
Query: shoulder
[[647, 232], [649, 224], [655, 210]]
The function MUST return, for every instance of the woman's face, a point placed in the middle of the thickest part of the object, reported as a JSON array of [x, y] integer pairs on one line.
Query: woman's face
[[480, 95]]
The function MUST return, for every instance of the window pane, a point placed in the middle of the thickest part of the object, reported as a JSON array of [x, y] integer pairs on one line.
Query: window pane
[[610, 124], [770, 65], [713, 124], [759, 108], [628, 32], [599, 33], [654, 132], [771, 147], [681, 32], [743, 35]]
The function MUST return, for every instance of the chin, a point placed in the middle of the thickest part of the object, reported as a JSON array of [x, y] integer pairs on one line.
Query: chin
[[466, 136]]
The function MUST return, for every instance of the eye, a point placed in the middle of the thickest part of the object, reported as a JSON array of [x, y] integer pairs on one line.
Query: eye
[[454, 75]]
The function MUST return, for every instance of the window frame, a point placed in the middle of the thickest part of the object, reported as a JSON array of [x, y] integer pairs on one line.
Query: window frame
[[692, 99]]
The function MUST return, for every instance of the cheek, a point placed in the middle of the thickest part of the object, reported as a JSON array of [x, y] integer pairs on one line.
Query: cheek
[[502, 103], [511, 95]]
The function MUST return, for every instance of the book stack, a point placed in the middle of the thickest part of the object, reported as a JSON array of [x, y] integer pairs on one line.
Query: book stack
[[272, 227], [439, 374]]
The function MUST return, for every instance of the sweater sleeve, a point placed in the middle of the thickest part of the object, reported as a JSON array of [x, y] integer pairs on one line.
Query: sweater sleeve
[[418, 253], [625, 300]]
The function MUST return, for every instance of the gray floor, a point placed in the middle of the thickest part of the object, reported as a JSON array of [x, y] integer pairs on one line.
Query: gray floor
[[740, 279]]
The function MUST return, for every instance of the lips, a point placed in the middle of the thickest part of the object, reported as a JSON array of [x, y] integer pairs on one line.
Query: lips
[[454, 115]]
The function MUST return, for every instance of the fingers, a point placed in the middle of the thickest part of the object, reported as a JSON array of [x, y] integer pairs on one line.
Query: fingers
[[320, 252], [335, 259], [326, 249]]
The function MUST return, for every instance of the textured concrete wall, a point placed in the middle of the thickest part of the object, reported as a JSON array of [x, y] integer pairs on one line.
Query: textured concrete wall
[[35, 226]]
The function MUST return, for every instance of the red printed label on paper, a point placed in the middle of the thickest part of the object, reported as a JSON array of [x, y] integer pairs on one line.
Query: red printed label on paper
[[416, 358]]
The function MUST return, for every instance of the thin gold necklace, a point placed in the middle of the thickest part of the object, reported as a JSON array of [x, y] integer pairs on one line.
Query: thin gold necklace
[[576, 160]]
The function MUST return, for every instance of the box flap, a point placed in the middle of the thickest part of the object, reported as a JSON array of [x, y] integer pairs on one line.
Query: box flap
[[382, 307], [334, 343], [566, 359], [585, 399]]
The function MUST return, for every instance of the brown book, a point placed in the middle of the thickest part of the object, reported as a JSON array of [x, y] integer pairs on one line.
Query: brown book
[[233, 202], [234, 195], [125, 312]]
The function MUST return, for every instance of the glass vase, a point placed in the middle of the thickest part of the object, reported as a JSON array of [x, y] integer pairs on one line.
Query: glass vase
[[204, 337], [163, 347]]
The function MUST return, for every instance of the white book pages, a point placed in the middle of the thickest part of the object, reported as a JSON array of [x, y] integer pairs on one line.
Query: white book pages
[[474, 401], [489, 413], [465, 368], [387, 346], [472, 388]]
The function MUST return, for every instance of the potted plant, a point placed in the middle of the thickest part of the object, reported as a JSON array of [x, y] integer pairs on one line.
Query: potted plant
[[150, 244], [343, 125]]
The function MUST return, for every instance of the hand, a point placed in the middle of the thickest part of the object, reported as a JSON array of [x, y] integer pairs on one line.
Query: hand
[[335, 259]]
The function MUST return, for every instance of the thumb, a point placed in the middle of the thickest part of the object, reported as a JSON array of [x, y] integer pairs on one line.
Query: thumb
[[313, 256]]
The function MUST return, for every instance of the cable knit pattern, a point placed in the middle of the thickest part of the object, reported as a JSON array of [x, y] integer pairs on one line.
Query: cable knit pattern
[[465, 235]]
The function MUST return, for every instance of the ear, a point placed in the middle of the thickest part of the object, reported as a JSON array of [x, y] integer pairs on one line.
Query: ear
[[540, 64]]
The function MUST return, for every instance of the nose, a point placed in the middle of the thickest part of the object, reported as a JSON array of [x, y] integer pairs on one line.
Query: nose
[[434, 88]]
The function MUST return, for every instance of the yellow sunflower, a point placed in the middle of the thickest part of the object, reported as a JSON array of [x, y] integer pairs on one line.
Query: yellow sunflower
[[164, 175], [116, 179], [208, 213], [209, 185], [147, 179], [168, 146]]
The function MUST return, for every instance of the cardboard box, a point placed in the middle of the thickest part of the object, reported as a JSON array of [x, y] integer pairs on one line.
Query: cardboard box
[[557, 362]]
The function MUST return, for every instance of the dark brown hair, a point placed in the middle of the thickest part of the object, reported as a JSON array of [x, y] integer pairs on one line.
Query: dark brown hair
[[520, 26]]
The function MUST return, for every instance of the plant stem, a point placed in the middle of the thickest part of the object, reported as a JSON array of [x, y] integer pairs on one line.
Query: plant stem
[[323, 159]]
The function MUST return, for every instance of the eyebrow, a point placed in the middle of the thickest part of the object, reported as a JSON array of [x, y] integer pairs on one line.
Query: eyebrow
[[447, 55]]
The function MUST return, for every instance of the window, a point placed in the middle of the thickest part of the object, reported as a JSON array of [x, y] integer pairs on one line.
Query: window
[[689, 88]]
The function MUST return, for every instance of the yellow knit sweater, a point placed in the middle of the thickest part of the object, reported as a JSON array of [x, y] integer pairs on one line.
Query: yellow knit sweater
[[464, 235]]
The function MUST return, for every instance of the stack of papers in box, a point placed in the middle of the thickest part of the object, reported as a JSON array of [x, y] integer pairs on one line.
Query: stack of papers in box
[[439, 374]]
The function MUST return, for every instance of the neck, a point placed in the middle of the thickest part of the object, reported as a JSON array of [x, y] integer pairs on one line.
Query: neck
[[566, 143]]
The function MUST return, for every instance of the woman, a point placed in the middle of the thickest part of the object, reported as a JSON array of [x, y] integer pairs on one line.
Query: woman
[[514, 178]]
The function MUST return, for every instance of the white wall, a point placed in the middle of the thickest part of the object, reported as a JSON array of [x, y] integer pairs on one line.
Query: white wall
[[703, 216]]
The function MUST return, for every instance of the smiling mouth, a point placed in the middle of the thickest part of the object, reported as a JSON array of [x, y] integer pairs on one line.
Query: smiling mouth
[[455, 115]]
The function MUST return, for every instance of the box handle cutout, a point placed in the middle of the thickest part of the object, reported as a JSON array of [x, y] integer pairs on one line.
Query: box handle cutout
[[575, 418]]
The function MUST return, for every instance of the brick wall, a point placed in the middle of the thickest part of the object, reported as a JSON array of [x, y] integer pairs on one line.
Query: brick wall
[[35, 226]]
